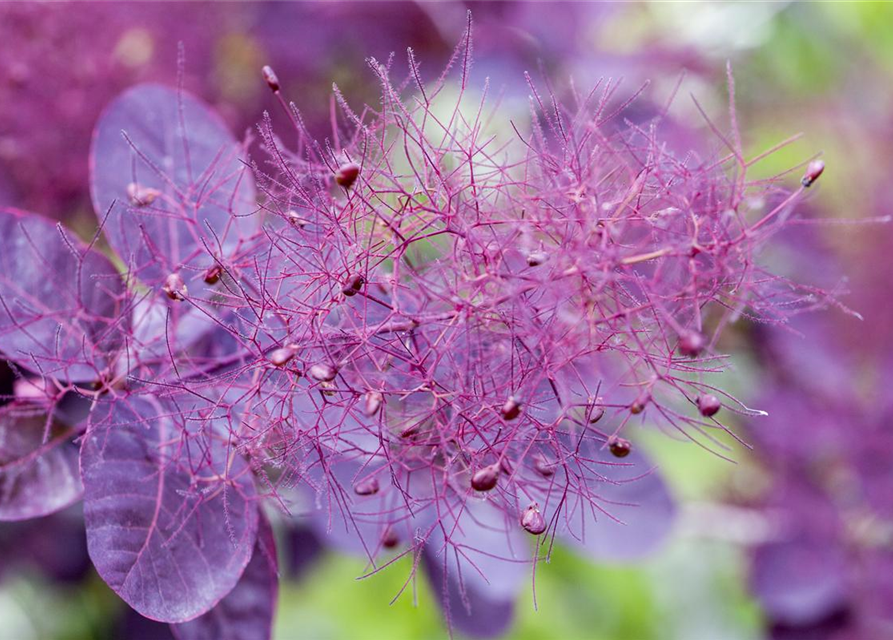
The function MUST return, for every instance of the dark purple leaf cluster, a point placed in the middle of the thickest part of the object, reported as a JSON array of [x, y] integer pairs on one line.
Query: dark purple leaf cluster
[[821, 566]]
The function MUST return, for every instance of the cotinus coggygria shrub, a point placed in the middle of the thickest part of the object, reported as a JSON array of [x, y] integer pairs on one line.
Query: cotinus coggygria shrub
[[419, 337]]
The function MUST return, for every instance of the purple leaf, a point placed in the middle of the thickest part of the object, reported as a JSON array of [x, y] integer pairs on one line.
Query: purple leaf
[[171, 516], [303, 549], [477, 563], [59, 302], [634, 513], [800, 580], [133, 626], [54, 546], [353, 519], [247, 612], [352, 523], [174, 180], [189, 332], [36, 478]]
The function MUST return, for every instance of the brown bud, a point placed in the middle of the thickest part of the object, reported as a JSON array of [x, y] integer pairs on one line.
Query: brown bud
[[511, 409], [813, 171], [411, 430], [372, 403], [174, 287], [322, 372], [353, 285], [270, 78], [141, 196], [389, 538], [212, 275], [532, 520], [596, 412], [691, 343], [368, 487], [536, 258], [484, 479], [619, 447], [709, 405], [638, 405], [347, 174], [543, 466]]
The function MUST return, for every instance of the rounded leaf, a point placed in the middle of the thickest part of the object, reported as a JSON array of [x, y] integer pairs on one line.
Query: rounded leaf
[[477, 564], [352, 523], [247, 612], [36, 477], [174, 179], [800, 581], [60, 302], [171, 517], [627, 513]]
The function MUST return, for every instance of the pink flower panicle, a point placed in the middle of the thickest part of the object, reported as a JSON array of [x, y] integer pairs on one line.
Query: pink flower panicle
[[448, 338], [497, 312]]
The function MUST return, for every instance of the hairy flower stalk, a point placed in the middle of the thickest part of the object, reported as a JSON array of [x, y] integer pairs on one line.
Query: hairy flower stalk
[[446, 337]]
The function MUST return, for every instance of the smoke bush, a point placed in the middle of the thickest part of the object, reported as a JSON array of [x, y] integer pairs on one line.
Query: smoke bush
[[424, 337]]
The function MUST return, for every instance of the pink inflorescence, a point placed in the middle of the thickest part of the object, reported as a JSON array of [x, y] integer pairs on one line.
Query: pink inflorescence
[[496, 299], [421, 336], [486, 292]]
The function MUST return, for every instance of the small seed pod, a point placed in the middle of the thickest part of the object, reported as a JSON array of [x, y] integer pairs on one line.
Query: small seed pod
[[141, 196], [505, 466], [390, 539], [709, 405], [212, 275], [484, 479], [619, 447], [347, 174], [532, 520], [368, 487], [282, 356], [270, 78], [322, 372], [638, 405], [295, 219], [691, 343], [353, 285], [372, 403], [596, 412], [813, 171], [511, 409], [174, 287], [536, 258], [543, 467], [411, 430]]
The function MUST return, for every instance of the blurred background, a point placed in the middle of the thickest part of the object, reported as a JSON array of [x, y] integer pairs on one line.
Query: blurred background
[[794, 541]]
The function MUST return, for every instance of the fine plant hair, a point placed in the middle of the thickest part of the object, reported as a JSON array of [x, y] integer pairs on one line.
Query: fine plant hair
[[426, 338]]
